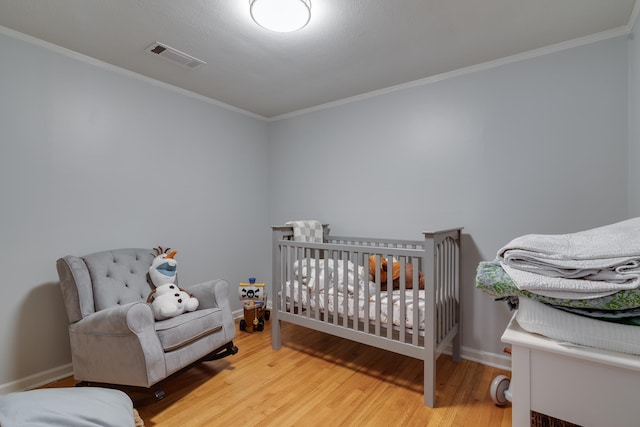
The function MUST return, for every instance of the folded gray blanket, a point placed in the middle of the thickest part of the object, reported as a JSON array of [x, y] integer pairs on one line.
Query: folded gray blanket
[[586, 264]]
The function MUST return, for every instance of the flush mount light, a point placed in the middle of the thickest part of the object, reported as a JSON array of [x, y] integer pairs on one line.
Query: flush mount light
[[281, 15]]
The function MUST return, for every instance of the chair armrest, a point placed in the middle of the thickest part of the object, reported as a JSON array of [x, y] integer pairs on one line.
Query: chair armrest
[[211, 294], [126, 319], [215, 294], [118, 345]]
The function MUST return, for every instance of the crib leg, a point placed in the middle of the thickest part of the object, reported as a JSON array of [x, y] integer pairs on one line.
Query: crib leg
[[429, 381], [456, 348], [276, 338]]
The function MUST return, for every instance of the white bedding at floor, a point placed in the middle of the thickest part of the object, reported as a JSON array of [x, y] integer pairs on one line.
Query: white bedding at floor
[[539, 318]]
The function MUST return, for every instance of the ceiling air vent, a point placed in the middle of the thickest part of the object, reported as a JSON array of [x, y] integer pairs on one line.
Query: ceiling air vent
[[174, 55]]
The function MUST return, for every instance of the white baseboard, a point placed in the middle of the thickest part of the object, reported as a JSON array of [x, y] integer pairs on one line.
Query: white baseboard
[[499, 361], [37, 380]]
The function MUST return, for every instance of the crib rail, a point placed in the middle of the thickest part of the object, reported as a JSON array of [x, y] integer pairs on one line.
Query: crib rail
[[311, 282]]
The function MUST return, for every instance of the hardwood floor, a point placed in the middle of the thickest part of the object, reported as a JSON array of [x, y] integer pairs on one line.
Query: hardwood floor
[[317, 379]]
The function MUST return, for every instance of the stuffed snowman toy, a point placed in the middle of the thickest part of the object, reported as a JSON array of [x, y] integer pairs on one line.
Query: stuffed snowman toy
[[167, 299]]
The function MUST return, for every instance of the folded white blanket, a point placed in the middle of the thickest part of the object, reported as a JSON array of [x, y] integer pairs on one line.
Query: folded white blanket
[[586, 264]]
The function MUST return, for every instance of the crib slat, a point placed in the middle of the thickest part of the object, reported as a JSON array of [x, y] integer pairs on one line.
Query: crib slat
[[345, 284], [335, 280], [402, 310], [376, 303], [291, 287], [416, 322], [390, 295], [367, 298], [299, 257], [439, 290]]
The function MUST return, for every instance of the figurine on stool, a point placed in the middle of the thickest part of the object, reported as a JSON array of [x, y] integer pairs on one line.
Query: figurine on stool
[[254, 304]]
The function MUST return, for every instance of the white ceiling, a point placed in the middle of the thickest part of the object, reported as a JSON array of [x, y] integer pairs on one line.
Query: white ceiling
[[349, 48]]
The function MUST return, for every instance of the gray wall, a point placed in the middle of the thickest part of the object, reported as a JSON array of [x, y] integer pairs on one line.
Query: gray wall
[[634, 120], [536, 146], [92, 159]]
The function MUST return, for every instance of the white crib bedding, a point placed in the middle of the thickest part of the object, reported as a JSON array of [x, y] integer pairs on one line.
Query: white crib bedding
[[311, 276], [313, 300], [536, 317]]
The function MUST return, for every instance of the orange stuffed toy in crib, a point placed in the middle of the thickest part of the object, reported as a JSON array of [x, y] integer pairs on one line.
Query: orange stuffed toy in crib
[[395, 274]]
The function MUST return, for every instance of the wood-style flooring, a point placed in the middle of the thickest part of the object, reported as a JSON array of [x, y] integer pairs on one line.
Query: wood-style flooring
[[320, 380]]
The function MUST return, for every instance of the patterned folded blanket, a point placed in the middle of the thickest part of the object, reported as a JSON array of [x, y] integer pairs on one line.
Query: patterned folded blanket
[[493, 280], [309, 231]]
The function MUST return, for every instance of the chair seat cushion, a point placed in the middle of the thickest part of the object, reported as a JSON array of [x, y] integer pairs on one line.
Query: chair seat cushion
[[186, 328]]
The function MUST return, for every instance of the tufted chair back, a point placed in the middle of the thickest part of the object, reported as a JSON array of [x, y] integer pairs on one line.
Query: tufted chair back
[[104, 279]]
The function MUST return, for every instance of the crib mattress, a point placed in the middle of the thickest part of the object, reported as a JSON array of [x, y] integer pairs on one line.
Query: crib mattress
[[572, 329]]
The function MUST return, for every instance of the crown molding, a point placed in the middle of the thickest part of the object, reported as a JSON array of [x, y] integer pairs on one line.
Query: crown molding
[[634, 16], [605, 35], [119, 70]]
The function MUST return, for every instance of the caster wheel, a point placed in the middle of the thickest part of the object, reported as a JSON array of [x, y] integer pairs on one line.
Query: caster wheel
[[260, 326], [243, 325], [267, 314], [499, 386]]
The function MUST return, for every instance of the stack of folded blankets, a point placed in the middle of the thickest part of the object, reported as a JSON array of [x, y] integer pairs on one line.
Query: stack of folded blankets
[[593, 273]]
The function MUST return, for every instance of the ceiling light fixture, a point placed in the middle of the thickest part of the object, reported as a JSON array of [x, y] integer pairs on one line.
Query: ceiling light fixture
[[282, 16]]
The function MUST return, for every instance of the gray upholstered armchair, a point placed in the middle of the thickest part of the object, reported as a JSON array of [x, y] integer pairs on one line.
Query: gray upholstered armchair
[[114, 337]]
